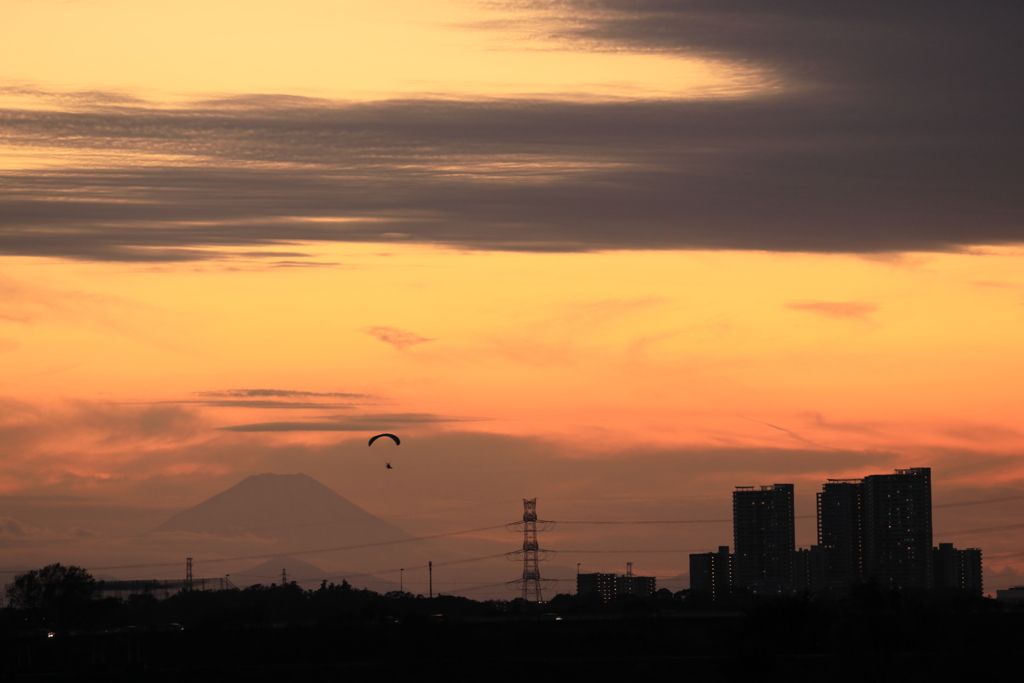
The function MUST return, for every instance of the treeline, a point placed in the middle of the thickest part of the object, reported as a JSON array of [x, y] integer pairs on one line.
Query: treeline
[[57, 597]]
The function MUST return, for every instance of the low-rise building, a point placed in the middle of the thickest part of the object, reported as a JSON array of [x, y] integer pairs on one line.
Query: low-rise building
[[1012, 596], [610, 585], [954, 568], [602, 584]]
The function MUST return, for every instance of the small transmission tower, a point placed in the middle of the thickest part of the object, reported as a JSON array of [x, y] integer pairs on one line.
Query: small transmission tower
[[188, 573], [531, 584]]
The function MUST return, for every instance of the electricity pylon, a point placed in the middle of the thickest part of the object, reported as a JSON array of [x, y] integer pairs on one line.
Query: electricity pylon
[[531, 584]]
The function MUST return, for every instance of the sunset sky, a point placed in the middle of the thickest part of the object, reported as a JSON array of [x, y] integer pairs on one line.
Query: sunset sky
[[621, 256]]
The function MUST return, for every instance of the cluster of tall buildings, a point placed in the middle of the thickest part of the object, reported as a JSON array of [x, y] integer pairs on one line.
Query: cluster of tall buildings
[[877, 528]]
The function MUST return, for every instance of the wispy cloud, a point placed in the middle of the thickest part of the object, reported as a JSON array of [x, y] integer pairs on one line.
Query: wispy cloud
[[91, 442], [356, 423], [272, 405], [835, 309], [278, 393], [15, 533], [995, 284], [398, 338], [792, 434]]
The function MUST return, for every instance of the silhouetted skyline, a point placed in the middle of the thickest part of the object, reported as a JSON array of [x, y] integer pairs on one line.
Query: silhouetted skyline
[[876, 529]]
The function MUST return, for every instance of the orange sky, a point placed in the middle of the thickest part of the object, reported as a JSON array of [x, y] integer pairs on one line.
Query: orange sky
[[332, 48], [612, 349], [159, 372]]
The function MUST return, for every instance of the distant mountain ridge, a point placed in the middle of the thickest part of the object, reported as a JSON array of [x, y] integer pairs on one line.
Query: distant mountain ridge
[[292, 508]]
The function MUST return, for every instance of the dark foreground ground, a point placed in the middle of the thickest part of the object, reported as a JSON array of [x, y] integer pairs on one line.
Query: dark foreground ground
[[336, 633], [706, 647]]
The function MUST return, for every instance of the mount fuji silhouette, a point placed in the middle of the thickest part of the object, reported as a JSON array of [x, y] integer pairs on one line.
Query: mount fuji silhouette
[[290, 508]]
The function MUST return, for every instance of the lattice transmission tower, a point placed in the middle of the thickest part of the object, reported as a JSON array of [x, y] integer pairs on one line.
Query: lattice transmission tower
[[531, 584]]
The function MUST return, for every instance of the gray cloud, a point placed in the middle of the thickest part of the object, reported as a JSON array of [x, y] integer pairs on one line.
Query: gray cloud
[[296, 427], [278, 393], [396, 337], [347, 423], [288, 405], [11, 527], [892, 128], [270, 399]]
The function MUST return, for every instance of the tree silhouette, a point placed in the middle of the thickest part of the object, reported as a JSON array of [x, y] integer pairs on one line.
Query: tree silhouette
[[54, 592]]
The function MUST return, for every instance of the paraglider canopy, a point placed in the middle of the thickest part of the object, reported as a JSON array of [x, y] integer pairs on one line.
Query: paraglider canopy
[[397, 441]]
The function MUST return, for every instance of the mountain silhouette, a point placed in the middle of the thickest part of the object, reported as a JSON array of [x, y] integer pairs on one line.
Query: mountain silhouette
[[293, 509]]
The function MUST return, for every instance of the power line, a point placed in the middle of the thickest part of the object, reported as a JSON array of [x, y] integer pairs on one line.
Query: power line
[[1003, 556], [501, 502], [649, 521], [499, 526], [683, 550], [436, 564], [452, 509], [979, 502], [642, 498], [981, 531], [503, 584], [378, 572], [267, 556], [662, 521]]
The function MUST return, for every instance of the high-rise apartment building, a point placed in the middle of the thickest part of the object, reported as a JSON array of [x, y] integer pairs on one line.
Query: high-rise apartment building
[[711, 573], [764, 538], [878, 527], [897, 520], [808, 568], [840, 534]]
